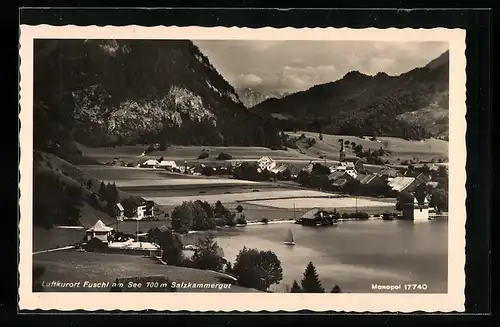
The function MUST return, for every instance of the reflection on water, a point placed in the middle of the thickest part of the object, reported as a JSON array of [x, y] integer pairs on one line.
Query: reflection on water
[[354, 254]]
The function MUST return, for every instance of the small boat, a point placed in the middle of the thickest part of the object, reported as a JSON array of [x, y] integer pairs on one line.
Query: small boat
[[289, 238]]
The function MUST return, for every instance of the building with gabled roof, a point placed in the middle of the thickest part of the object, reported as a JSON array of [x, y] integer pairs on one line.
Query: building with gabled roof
[[266, 163], [99, 231]]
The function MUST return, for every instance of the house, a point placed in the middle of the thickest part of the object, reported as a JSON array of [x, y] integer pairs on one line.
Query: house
[[402, 183], [266, 163], [167, 164], [347, 167], [279, 169], [371, 183], [316, 216], [120, 211], [151, 163], [294, 171], [99, 231], [358, 165], [338, 175], [389, 172], [308, 168], [416, 210]]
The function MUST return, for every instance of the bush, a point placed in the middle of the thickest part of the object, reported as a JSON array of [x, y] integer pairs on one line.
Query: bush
[[264, 220], [224, 156], [203, 155], [376, 215], [241, 221], [360, 215]]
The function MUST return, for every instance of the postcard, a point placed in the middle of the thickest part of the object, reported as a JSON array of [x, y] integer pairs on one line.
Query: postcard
[[223, 169]]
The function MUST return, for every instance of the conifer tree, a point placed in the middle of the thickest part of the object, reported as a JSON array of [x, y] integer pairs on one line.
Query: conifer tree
[[295, 287], [336, 289], [310, 282]]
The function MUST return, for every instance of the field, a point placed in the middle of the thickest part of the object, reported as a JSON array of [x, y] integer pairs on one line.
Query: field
[[402, 149], [73, 266], [189, 153], [237, 197], [339, 203]]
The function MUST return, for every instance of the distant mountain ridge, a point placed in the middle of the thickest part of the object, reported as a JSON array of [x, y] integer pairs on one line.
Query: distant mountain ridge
[[114, 92], [251, 98], [413, 105]]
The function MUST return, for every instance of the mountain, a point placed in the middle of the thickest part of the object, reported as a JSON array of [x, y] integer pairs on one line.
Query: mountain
[[116, 92], [251, 98], [413, 105]]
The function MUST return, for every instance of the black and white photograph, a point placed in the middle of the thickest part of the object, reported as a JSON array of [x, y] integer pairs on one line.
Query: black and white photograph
[[206, 163]]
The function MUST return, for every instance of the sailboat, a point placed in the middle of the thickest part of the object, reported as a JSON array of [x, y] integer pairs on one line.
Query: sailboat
[[289, 238]]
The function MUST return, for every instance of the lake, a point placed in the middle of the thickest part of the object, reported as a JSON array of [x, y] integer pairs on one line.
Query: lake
[[354, 254]]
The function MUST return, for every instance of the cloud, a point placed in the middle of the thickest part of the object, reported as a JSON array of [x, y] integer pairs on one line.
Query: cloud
[[247, 80], [297, 65]]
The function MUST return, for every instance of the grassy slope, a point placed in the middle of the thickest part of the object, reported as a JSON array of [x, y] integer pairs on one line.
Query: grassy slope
[[329, 146], [72, 266], [189, 153], [71, 175]]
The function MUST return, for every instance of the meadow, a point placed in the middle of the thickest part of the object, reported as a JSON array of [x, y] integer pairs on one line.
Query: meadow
[[403, 149], [73, 266]]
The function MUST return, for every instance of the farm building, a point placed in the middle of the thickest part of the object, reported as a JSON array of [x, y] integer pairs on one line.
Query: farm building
[[266, 163], [151, 163], [167, 164], [416, 210], [99, 231]]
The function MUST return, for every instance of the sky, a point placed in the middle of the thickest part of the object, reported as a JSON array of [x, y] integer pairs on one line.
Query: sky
[[291, 66]]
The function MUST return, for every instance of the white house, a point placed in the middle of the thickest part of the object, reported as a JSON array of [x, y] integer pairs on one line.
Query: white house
[[167, 164], [347, 167], [266, 163], [151, 163]]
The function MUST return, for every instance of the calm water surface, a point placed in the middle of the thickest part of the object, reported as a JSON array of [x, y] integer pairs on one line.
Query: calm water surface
[[354, 254]]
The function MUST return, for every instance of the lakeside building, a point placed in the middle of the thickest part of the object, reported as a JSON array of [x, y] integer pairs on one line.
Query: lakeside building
[[99, 231], [416, 210]]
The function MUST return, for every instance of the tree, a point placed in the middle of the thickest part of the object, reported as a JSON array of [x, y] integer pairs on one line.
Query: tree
[[319, 169], [89, 184], [239, 208], [229, 268], [303, 177], [439, 199], [207, 254], [102, 191], [403, 198], [336, 289], [295, 287], [257, 269], [310, 282], [171, 245]]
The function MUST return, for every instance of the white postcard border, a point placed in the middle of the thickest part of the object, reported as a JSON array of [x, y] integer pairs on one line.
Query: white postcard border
[[453, 301]]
